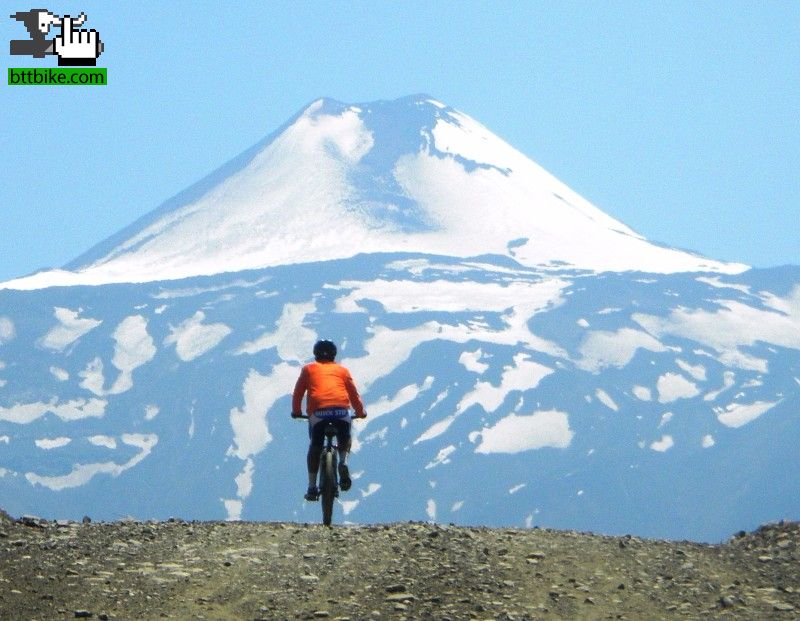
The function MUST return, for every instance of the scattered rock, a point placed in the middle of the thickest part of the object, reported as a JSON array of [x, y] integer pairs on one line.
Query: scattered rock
[[782, 607], [254, 571]]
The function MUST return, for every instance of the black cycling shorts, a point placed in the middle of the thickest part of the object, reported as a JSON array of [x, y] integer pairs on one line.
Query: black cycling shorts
[[317, 432]]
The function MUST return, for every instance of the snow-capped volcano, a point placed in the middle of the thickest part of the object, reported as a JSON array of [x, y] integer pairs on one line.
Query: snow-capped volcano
[[524, 358], [410, 175]]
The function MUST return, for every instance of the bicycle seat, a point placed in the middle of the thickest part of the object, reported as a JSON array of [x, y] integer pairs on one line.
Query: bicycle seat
[[330, 430]]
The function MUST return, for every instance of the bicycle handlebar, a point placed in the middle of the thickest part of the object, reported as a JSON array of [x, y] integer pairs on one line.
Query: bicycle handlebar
[[306, 416]]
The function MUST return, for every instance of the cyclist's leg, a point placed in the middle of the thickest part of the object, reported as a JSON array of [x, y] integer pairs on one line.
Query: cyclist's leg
[[316, 434], [343, 440]]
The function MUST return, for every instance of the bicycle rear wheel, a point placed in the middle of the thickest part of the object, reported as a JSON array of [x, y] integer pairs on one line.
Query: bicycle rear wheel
[[328, 485]]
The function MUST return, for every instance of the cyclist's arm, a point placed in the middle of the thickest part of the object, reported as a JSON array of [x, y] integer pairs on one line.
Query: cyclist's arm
[[355, 398], [299, 390]]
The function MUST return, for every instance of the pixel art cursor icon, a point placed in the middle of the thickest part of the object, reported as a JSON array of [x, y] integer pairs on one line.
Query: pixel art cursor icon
[[74, 47]]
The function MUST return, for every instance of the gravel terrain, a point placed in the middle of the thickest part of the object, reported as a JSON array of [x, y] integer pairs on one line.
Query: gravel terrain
[[241, 570]]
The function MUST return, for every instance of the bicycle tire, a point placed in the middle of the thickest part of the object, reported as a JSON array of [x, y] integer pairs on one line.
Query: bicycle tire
[[328, 486]]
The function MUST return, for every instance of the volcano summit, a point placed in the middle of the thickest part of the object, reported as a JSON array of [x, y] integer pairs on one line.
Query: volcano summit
[[410, 175]]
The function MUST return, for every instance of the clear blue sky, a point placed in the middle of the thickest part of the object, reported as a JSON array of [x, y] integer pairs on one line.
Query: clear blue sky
[[682, 119]]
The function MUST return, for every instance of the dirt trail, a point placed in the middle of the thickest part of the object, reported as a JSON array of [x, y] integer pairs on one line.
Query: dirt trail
[[221, 571]]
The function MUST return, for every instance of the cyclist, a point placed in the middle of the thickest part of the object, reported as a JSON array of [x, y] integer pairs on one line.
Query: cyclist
[[330, 393]]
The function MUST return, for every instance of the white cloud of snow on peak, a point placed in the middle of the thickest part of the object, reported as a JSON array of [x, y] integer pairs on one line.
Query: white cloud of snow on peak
[[515, 433], [739, 414], [69, 329], [7, 330], [601, 349], [193, 338], [293, 340], [674, 386]]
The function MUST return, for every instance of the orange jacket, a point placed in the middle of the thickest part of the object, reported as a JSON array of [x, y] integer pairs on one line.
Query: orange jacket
[[329, 385]]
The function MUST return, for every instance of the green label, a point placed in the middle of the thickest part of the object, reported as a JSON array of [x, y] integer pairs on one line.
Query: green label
[[58, 76]]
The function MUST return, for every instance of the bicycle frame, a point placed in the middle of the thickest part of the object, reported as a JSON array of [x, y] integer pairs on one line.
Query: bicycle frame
[[328, 474]]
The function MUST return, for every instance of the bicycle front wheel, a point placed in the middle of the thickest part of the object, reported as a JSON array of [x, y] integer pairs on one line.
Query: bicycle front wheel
[[328, 486]]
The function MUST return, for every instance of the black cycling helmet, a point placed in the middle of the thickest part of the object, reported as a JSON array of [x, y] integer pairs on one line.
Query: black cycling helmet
[[325, 350]]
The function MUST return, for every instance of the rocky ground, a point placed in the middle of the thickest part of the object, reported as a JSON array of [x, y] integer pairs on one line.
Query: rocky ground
[[219, 570]]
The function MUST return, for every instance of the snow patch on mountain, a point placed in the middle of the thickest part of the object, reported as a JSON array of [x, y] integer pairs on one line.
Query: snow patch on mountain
[[291, 337], [663, 445], [83, 473], [515, 433], [601, 349], [249, 423], [604, 398], [728, 382], [52, 443], [75, 409], [738, 414], [69, 329], [7, 330], [193, 338], [732, 326], [62, 375], [674, 386], [471, 361]]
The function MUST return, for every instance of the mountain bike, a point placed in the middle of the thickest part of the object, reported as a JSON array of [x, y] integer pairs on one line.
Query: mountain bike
[[328, 473]]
